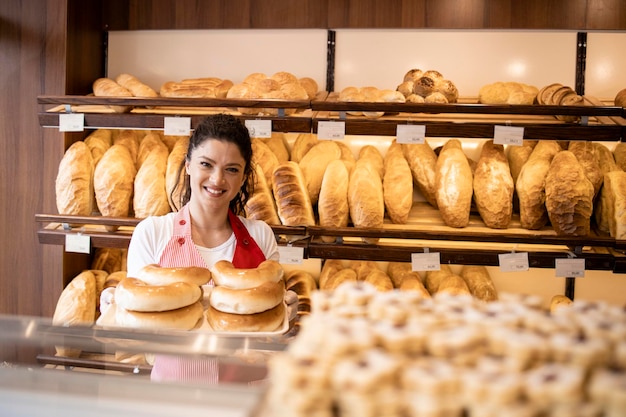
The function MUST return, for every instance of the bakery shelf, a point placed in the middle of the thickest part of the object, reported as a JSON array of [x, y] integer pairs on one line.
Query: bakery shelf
[[149, 113], [474, 244], [54, 228], [468, 119]]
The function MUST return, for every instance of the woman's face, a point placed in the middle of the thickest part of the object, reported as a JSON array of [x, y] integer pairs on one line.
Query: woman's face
[[216, 173]]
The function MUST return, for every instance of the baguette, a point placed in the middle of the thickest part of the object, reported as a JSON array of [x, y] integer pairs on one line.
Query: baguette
[[106, 87]]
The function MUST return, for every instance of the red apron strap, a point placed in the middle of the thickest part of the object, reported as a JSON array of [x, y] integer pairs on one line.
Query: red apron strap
[[247, 252]]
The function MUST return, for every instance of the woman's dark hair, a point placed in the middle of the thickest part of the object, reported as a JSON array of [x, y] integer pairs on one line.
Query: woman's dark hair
[[225, 128]]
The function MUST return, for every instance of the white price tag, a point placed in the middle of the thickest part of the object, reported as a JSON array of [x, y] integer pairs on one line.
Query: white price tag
[[430, 261], [259, 128], [513, 262], [177, 126], [292, 255], [72, 122], [508, 135], [78, 243], [570, 267], [410, 133], [331, 130]]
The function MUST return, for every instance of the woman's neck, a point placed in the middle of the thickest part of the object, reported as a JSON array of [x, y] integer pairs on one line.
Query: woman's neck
[[208, 219]]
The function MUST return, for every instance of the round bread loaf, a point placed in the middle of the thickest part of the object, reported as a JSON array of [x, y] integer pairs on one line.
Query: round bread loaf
[[135, 295], [265, 321], [185, 318]]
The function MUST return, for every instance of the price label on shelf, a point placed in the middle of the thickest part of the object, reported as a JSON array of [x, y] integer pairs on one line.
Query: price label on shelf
[[292, 255], [77, 243], [259, 128], [177, 126], [508, 135], [410, 134], [430, 261], [72, 122], [569, 267], [331, 130], [513, 262]]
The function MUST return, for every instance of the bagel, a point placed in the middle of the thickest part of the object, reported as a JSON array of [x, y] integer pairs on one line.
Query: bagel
[[134, 294], [185, 318], [266, 321], [154, 274], [225, 274], [247, 301]]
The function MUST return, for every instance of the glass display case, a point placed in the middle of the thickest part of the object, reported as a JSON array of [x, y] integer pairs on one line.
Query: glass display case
[[93, 371]]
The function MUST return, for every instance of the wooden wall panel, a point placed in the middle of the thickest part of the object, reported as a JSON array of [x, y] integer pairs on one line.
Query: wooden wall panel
[[606, 14], [332, 14], [548, 14], [455, 14], [280, 14]]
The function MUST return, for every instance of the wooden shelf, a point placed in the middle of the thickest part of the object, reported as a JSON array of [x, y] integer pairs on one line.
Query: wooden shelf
[[466, 119], [474, 244]]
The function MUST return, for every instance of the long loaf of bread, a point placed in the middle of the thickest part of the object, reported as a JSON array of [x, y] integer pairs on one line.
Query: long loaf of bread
[[175, 173], [454, 184], [569, 196], [292, 199], [74, 182], [365, 197], [530, 185], [423, 162], [397, 184], [114, 179], [150, 195], [613, 203], [479, 282], [493, 186], [332, 207], [313, 166], [261, 205]]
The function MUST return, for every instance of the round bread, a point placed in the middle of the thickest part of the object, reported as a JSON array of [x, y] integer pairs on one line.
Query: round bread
[[424, 86], [136, 295], [406, 88], [433, 74], [225, 274], [185, 318], [413, 74], [448, 89], [310, 85], [154, 274], [436, 97], [267, 321], [247, 301]]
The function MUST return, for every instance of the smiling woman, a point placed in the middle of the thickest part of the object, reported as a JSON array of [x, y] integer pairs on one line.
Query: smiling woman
[[210, 225]]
